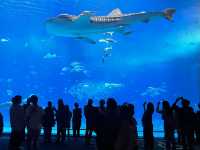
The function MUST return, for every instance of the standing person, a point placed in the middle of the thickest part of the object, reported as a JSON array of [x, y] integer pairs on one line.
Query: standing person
[[17, 122], [68, 120], [178, 121], [127, 138], [187, 121], [34, 114], [102, 107], [198, 125], [48, 122], [76, 120], [1, 124], [148, 126], [25, 106], [169, 126], [100, 121], [89, 112], [111, 125], [61, 121], [133, 126]]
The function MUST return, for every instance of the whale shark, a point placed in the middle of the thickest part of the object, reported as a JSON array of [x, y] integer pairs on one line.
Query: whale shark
[[86, 24]]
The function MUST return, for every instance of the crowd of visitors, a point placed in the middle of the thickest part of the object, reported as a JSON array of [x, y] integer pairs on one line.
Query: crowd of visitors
[[114, 125]]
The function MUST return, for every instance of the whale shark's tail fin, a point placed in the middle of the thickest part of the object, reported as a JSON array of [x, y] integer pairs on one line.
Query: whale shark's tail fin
[[168, 13]]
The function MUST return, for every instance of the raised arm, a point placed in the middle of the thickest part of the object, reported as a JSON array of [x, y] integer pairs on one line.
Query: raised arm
[[177, 100]]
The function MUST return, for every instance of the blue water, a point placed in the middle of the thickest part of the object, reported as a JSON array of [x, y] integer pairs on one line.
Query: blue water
[[159, 60]]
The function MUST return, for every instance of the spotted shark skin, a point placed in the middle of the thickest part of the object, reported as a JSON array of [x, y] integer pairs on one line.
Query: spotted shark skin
[[104, 19]]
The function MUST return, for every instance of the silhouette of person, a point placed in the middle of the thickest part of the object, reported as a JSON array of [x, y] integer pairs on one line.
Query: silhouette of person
[[100, 121], [111, 125], [68, 119], [28, 103], [61, 121], [48, 122], [169, 126], [34, 115], [76, 120], [127, 138], [102, 107], [178, 120], [148, 126], [187, 121], [198, 125], [17, 122], [1, 124], [133, 126], [89, 112], [25, 106]]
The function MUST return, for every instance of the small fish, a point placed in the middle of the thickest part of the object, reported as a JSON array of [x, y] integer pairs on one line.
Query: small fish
[[112, 85], [50, 56], [64, 69], [4, 40], [108, 48], [154, 91], [109, 33], [107, 40]]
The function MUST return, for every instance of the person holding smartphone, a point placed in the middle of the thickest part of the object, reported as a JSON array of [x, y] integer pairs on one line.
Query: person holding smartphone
[[186, 121], [169, 126]]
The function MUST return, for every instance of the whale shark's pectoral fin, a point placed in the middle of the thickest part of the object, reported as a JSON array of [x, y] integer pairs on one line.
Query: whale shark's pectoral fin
[[86, 39]]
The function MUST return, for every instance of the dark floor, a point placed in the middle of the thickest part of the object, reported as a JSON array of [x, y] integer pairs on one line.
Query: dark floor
[[70, 144]]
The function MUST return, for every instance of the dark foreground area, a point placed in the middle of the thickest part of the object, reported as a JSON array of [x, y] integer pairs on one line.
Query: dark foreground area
[[114, 125], [70, 144]]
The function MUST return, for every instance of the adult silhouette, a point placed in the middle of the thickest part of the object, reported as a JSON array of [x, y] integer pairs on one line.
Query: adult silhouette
[[48, 122], [76, 120], [148, 126]]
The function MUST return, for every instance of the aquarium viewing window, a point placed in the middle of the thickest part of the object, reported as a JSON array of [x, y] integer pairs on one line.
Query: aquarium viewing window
[[134, 51]]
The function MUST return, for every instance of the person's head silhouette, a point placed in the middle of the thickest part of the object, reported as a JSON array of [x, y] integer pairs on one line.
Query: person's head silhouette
[[17, 99], [102, 103], [34, 100], [49, 104], [90, 102], [150, 107], [76, 105], [185, 103], [60, 104], [111, 104]]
